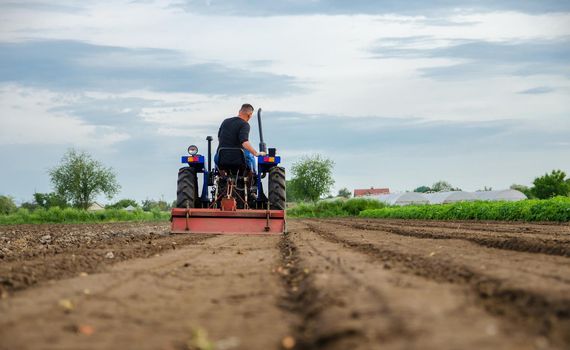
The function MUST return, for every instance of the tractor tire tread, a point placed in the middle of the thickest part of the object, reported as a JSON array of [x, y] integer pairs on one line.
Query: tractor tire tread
[[187, 190], [277, 191]]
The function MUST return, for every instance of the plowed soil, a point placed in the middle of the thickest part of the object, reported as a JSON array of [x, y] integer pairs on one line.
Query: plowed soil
[[327, 284]]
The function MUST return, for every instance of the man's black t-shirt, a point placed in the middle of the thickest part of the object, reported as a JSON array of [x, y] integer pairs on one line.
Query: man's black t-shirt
[[233, 132]]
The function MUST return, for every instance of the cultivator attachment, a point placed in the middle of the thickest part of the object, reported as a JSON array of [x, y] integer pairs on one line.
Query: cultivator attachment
[[218, 221]]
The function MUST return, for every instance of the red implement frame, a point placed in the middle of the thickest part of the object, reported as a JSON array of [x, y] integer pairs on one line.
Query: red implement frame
[[216, 221]]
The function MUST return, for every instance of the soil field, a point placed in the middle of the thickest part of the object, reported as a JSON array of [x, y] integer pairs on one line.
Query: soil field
[[327, 284]]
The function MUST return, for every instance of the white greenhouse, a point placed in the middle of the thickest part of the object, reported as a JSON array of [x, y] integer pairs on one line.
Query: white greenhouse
[[405, 198], [450, 197], [502, 195]]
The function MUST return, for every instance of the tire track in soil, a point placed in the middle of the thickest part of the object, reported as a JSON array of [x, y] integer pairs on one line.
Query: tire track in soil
[[305, 300], [396, 326], [538, 313], [519, 244], [302, 299]]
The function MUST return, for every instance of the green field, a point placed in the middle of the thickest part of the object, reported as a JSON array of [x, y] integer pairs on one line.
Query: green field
[[555, 209]]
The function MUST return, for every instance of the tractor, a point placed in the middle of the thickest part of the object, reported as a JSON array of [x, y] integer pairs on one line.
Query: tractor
[[232, 199]]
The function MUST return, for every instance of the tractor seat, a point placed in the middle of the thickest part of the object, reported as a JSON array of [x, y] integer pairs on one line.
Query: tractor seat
[[232, 160]]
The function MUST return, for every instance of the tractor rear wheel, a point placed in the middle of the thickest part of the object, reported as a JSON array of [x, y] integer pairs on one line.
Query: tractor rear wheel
[[187, 192], [277, 188]]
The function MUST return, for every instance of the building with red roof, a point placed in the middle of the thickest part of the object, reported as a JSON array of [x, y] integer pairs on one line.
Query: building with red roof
[[370, 191]]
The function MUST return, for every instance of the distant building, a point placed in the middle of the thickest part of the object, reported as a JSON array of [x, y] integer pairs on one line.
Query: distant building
[[371, 192], [95, 207]]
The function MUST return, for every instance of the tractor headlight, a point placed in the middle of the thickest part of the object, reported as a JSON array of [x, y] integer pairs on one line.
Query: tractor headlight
[[192, 150]]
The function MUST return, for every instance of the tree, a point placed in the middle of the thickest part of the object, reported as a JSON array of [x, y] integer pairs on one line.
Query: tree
[[423, 189], [344, 192], [79, 179], [441, 186], [149, 205], [551, 185], [312, 177], [524, 189], [291, 191], [123, 203], [29, 206], [7, 205], [48, 200]]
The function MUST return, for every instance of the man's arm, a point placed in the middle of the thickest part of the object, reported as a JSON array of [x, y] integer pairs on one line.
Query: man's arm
[[250, 148], [244, 139]]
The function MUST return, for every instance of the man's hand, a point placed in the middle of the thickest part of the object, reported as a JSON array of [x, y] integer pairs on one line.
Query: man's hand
[[261, 154]]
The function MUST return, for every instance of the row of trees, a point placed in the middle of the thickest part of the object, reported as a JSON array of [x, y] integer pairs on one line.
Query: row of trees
[[51, 200]]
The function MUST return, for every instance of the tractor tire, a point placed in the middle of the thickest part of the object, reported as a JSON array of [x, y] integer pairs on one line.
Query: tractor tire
[[276, 184], [187, 191]]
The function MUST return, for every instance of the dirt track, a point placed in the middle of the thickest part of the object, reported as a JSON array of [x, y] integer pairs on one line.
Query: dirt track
[[328, 284]]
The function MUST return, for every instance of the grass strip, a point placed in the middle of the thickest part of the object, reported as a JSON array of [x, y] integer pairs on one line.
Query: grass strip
[[73, 215]]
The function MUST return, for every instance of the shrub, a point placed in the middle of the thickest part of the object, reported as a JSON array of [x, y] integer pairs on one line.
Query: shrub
[[7, 205], [338, 207]]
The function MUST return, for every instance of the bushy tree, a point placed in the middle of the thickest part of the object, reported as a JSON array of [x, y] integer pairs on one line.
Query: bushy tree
[[291, 191], [149, 205], [79, 179], [29, 206], [441, 186], [344, 192], [49, 200], [7, 205], [423, 189], [312, 177], [123, 203], [551, 185]]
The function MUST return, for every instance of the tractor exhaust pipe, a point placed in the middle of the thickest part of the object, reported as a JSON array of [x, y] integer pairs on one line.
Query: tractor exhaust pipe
[[209, 139], [262, 146], [210, 179]]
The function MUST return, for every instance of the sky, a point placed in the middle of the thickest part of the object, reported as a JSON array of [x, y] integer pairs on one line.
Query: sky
[[398, 94]]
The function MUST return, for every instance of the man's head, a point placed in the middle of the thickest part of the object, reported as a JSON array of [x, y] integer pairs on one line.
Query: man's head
[[246, 111]]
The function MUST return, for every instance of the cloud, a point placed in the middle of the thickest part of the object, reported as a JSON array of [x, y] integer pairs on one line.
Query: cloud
[[117, 111], [537, 90], [78, 66], [475, 59], [341, 7], [337, 135], [32, 116], [40, 6]]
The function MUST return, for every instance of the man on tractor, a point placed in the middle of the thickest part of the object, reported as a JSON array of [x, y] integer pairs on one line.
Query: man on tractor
[[234, 135]]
